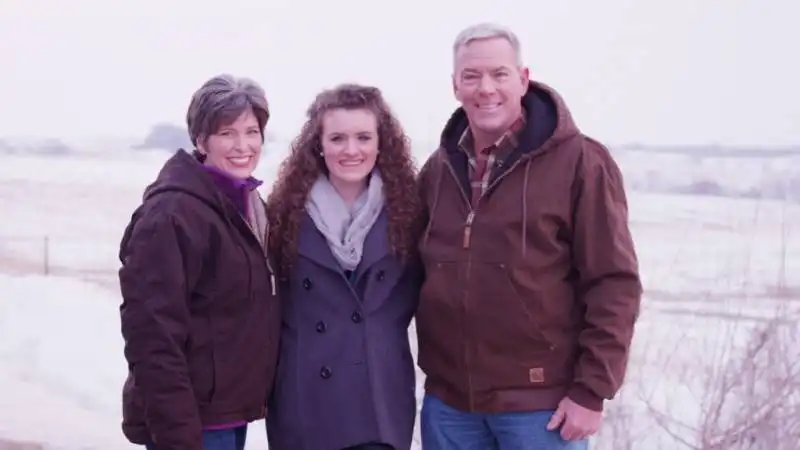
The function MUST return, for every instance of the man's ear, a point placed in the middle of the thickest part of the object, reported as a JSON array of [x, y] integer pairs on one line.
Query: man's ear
[[525, 75]]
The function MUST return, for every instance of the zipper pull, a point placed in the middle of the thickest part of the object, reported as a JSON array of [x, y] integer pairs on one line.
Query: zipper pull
[[468, 228], [272, 283]]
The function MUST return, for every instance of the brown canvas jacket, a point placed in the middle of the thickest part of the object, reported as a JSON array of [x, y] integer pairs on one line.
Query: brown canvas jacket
[[199, 316], [532, 294]]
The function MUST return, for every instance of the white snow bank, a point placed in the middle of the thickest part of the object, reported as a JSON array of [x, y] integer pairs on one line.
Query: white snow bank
[[61, 363]]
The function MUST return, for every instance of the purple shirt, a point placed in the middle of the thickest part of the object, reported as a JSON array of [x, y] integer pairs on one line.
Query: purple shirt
[[235, 189]]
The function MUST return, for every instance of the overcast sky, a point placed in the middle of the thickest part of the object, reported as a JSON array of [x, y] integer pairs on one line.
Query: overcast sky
[[652, 71]]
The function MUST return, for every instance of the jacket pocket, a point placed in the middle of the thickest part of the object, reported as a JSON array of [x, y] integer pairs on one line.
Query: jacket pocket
[[200, 359], [548, 309], [527, 307], [508, 349], [440, 317], [550, 302], [132, 403], [501, 315]]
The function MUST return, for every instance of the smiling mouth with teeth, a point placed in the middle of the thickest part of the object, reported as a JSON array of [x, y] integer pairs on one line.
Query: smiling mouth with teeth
[[240, 160]]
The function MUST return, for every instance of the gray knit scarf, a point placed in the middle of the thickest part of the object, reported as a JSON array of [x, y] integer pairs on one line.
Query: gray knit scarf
[[343, 228]]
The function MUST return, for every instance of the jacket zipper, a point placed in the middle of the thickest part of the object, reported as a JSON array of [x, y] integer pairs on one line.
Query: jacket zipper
[[466, 242], [467, 237], [468, 229], [471, 215], [264, 252], [266, 259]]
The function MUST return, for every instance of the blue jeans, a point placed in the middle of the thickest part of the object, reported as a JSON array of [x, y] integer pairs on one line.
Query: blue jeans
[[445, 428], [230, 439]]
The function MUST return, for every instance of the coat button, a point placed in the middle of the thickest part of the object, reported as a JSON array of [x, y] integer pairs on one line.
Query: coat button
[[321, 327], [325, 372], [357, 317], [306, 284], [381, 275]]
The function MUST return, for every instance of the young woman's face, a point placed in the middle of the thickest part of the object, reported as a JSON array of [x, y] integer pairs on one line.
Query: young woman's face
[[349, 145], [235, 148]]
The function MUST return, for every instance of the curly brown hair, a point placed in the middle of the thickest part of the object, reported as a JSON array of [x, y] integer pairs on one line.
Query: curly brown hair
[[298, 172]]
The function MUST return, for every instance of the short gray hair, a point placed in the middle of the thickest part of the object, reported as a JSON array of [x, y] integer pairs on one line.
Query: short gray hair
[[487, 30], [220, 101]]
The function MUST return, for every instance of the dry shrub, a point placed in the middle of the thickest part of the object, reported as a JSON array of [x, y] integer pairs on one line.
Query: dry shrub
[[754, 403], [749, 397]]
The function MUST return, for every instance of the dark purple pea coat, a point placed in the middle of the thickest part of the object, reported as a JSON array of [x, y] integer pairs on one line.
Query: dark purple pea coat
[[345, 375]]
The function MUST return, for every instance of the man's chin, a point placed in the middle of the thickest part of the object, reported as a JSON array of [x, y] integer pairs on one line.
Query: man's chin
[[491, 127]]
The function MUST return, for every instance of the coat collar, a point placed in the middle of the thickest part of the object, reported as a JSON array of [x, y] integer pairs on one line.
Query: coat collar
[[312, 245]]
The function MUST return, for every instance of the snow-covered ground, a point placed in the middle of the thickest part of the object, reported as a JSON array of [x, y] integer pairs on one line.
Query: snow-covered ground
[[60, 362], [704, 261]]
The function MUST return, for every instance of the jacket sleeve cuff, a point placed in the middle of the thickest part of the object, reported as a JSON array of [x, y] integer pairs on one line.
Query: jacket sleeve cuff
[[586, 398]]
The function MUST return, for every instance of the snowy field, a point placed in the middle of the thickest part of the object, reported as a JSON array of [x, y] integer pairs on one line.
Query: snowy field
[[714, 269]]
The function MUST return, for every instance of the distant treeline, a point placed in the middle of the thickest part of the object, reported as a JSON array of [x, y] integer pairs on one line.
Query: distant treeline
[[745, 172], [766, 173], [165, 136], [789, 191], [44, 147], [170, 137], [713, 151]]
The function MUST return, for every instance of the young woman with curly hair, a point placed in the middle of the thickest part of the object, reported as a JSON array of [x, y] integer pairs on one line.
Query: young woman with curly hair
[[344, 214]]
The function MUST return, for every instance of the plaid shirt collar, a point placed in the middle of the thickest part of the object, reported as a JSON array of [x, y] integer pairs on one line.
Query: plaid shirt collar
[[508, 141]]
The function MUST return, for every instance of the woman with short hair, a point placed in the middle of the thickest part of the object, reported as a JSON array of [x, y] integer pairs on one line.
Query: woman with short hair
[[200, 316]]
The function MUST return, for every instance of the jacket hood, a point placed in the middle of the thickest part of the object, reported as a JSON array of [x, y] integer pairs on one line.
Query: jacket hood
[[183, 173], [549, 121]]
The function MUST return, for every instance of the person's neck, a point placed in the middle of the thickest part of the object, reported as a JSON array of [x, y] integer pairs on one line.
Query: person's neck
[[349, 192], [483, 140], [212, 168]]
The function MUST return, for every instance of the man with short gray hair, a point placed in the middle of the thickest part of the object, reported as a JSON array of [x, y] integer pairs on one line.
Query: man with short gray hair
[[532, 283]]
